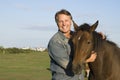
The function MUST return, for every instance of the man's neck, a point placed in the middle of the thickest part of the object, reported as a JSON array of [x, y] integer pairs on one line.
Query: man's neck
[[67, 35]]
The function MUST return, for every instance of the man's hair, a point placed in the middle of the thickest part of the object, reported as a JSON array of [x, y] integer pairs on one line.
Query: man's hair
[[63, 11]]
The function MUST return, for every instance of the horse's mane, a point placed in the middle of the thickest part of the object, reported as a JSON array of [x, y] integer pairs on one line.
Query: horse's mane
[[84, 27], [99, 41], [111, 42]]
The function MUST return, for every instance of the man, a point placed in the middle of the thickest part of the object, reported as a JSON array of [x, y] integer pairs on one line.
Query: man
[[60, 49]]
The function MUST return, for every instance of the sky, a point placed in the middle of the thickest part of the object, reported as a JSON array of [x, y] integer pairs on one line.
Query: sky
[[30, 23]]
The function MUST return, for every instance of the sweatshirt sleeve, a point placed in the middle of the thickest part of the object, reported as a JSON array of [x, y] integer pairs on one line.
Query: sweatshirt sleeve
[[58, 52]]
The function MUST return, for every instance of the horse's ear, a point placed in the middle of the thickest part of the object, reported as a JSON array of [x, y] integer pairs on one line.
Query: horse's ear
[[75, 26], [94, 26]]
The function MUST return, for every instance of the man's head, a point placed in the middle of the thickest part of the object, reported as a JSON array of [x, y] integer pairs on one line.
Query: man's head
[[63, 19]]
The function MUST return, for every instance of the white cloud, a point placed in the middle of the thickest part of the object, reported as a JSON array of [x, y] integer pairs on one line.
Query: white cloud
[[40, 28], [23, 7]]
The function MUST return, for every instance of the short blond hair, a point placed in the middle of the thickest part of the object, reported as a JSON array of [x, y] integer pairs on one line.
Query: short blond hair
[[62, 11]]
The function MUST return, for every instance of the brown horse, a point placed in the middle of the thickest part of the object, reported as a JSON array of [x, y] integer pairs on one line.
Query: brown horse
[[107, 64]]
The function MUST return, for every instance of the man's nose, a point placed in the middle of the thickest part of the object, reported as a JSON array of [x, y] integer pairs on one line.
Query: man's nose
[[64, 23]]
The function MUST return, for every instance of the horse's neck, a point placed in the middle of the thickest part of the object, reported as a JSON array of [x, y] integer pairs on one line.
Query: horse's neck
[[108, 59]]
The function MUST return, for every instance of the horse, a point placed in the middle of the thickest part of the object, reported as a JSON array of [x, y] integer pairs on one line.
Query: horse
[[107, 63]]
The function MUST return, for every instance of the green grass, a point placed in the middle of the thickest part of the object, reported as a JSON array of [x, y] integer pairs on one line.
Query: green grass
[[31, 66]]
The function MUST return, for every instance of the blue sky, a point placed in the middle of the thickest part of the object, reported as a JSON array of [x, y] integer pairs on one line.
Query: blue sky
[[30, 23]]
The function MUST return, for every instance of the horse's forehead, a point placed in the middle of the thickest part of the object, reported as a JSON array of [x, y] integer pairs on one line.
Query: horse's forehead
[[80, 32], [84, 34], [87, 34]]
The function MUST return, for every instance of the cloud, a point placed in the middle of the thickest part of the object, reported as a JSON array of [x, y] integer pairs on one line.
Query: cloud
[[40, 28], [22, 7]]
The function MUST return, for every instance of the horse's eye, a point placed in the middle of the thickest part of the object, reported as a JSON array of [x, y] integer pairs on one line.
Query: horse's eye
[[88, 42]]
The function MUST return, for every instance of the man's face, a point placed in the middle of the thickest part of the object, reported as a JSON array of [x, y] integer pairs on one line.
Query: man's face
[[64, 23]]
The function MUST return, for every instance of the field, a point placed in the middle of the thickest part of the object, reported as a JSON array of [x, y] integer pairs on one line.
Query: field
[[25, 66], [31, 66]]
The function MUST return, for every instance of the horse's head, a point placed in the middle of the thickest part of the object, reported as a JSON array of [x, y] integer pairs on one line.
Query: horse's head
[[83, 44]]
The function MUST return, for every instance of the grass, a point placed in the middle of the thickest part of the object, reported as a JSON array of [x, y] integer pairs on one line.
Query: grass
[[32, 66], [29, 66]]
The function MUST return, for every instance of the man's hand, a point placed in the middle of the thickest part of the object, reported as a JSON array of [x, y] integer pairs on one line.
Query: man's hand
[[92, 57], [103, 36]]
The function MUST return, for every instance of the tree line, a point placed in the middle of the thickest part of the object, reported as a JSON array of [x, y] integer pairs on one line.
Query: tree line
[[15, 50]]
